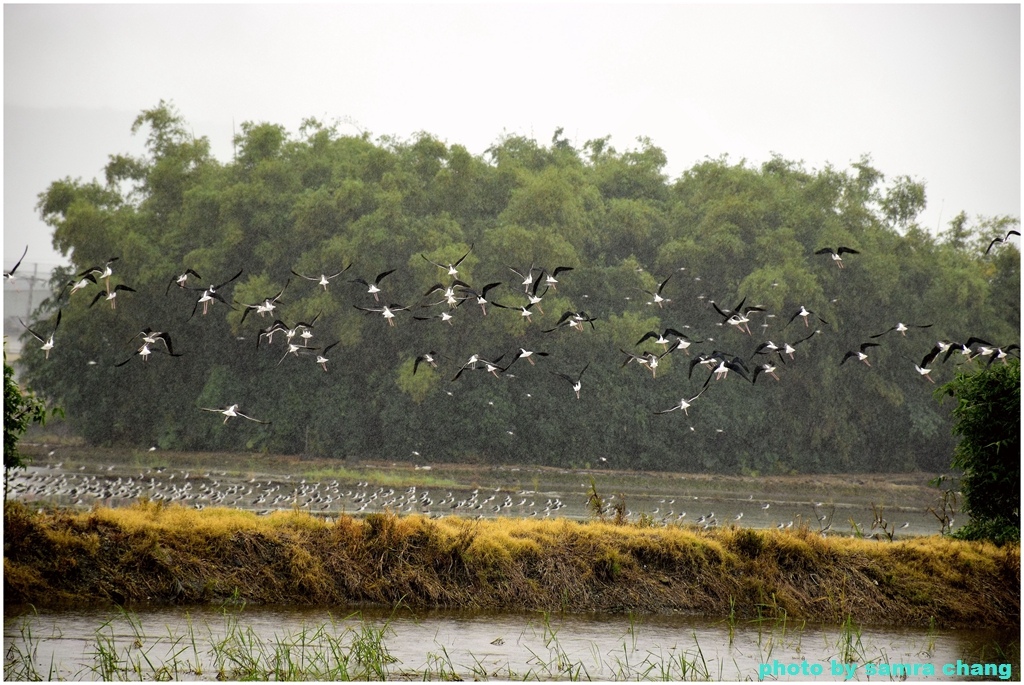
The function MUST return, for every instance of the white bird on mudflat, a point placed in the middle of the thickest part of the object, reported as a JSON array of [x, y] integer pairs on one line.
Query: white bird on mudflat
[[231, 412], [47, 342]]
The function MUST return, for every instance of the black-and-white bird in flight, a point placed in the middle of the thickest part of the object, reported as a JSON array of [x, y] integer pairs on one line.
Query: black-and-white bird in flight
[[48, 341], [181, 280], [232, 411], [837, 254], [374, 288], [683, 404], [323, 279], [1005, 238], [9, 275], [452, 267], [577, 382]]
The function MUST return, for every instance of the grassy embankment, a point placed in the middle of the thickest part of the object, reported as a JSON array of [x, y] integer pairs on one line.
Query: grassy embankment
[[155, 553]]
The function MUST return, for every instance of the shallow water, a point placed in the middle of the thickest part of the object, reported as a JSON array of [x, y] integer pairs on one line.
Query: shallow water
[[661, 501], [203, 643]]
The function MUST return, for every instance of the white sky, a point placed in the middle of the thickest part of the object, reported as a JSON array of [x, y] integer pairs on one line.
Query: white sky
[[928, 91]]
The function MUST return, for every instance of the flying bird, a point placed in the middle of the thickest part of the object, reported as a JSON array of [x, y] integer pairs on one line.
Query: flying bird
[[47, 342], [902, 328], [481, 297], [323, 279], [267, 306], [527, 277], [322, 359], [387, 311], [528, 356], [658, 298], [765, 368], [1005, 238], [111, 295], [429, 358], [105, 271], [210, 294], [9, 275], [577, 382], [374, 288], [861, 354], [77, 285], [804, 312], [684, 404], [552, 278], [145, 353], [231, 412], [451, 267], [151, 337], [573, 320], [181, 280], [837, 254]]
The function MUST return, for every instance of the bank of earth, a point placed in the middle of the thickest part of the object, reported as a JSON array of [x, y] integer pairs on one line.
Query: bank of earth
[[153, 553]]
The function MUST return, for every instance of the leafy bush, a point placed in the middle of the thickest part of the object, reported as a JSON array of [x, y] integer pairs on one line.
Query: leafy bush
[[987, 419], [21, 410]]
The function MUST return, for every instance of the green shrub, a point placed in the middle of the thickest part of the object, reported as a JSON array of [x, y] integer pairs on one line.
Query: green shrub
[[987, 419]]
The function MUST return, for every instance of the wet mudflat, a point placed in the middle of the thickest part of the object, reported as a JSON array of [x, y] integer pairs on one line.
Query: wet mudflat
[[318, 644], [855, 505]]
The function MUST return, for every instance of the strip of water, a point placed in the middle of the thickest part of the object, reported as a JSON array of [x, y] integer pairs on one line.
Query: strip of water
[[202, 643]]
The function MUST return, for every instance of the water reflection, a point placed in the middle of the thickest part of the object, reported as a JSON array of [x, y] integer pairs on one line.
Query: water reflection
[[203, 643]]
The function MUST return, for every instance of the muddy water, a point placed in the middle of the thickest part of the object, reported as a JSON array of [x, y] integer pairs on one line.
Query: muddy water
[[248, 643]]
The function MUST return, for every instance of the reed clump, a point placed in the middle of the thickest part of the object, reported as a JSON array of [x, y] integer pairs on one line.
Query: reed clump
[[171, 554]]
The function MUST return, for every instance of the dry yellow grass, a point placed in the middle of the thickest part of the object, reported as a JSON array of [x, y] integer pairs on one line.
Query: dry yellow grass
[[155, 553]]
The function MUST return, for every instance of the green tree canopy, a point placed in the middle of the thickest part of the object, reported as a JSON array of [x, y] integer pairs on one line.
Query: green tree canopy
[[723, 232]]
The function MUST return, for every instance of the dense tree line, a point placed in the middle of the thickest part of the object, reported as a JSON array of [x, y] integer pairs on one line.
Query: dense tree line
[[317, 201]]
